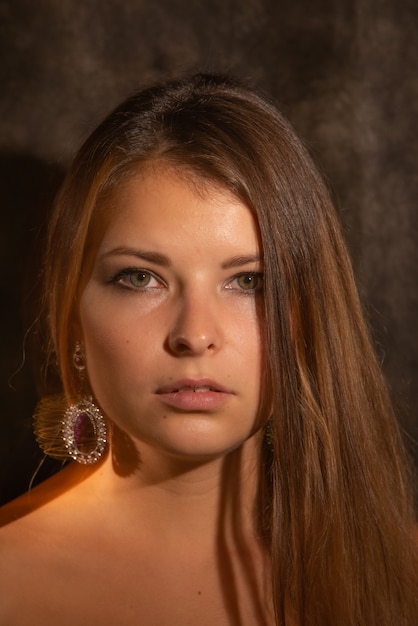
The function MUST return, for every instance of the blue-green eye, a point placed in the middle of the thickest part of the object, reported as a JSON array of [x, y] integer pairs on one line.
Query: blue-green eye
[[139, 279], [247, 281], [133, 278]]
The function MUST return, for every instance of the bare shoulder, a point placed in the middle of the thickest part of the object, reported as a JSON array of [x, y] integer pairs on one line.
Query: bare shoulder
[[42, 512], [28, 525], [20, 522], [20, 546], [35, 535], [21, 515]]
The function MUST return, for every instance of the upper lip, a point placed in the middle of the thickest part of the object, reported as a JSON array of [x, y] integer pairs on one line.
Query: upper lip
[[192, 384]]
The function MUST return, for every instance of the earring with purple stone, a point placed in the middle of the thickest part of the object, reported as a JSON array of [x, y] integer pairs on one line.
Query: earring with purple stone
[[77, 431], [84, 432]]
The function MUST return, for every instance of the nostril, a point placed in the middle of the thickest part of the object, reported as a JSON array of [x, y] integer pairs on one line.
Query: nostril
[[181, 346], [198, 345]]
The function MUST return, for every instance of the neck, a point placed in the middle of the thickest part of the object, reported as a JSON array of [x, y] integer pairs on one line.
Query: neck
[[182, 500]]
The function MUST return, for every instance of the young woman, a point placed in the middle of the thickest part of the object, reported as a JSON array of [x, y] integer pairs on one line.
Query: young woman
[[238, 460]]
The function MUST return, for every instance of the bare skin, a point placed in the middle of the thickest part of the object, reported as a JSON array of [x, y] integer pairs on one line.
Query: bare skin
[[105, 548], [163, 532]]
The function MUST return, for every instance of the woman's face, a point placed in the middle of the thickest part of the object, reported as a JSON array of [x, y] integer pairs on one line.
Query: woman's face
[[169, 316]]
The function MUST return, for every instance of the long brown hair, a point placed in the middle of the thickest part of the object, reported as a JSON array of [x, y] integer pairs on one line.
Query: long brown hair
[[335, 504]]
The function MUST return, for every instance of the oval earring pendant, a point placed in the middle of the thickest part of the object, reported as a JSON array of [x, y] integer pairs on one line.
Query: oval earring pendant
[[84, 432]]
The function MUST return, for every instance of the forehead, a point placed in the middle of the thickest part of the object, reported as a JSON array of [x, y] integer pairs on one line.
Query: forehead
[[149, 177], [169, 203]]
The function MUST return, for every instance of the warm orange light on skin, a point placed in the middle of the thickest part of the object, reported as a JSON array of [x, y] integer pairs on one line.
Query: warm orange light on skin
[[171, 298]]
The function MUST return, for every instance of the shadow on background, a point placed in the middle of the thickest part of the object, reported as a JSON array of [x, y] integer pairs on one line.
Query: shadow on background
[[27, 188]]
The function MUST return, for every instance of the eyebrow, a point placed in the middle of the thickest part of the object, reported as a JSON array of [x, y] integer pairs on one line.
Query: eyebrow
[[238, 261], [164, 261], [153, 257]]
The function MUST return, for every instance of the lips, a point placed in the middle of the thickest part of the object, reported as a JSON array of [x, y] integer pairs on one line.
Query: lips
[[193, 386], [194, 395], [195, 389]]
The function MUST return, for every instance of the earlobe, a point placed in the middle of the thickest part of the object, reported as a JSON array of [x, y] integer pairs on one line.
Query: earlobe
[[79, 357]]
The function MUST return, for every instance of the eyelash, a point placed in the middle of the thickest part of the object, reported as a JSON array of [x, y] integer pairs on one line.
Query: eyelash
[[129, 272], [256, 277]]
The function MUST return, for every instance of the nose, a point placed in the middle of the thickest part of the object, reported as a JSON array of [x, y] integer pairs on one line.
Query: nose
[[196, 326]]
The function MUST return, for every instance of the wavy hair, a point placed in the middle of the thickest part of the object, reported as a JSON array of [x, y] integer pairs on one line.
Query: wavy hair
[[335, 504]]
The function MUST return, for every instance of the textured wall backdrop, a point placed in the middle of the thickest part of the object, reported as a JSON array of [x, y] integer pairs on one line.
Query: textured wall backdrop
[[344, 71]]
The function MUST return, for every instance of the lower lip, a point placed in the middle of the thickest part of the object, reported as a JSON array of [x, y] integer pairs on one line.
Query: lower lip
[[195, 400]]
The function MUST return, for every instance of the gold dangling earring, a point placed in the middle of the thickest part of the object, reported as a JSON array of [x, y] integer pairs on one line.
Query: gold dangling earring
[[77, 431], [79, 358]]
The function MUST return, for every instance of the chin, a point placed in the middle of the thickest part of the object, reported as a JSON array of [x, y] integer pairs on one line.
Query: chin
[[192, 438], [196, 447]]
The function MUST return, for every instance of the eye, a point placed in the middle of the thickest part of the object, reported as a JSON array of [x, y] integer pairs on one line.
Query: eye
[[133, 278], [246, 281]]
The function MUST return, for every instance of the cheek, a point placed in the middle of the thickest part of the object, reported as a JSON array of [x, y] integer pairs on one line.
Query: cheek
[[104, 338], [245, 334], [100, 336], [121, 347]]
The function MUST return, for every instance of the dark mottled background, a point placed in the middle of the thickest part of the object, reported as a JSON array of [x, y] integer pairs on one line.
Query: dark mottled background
[[344, 71]]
